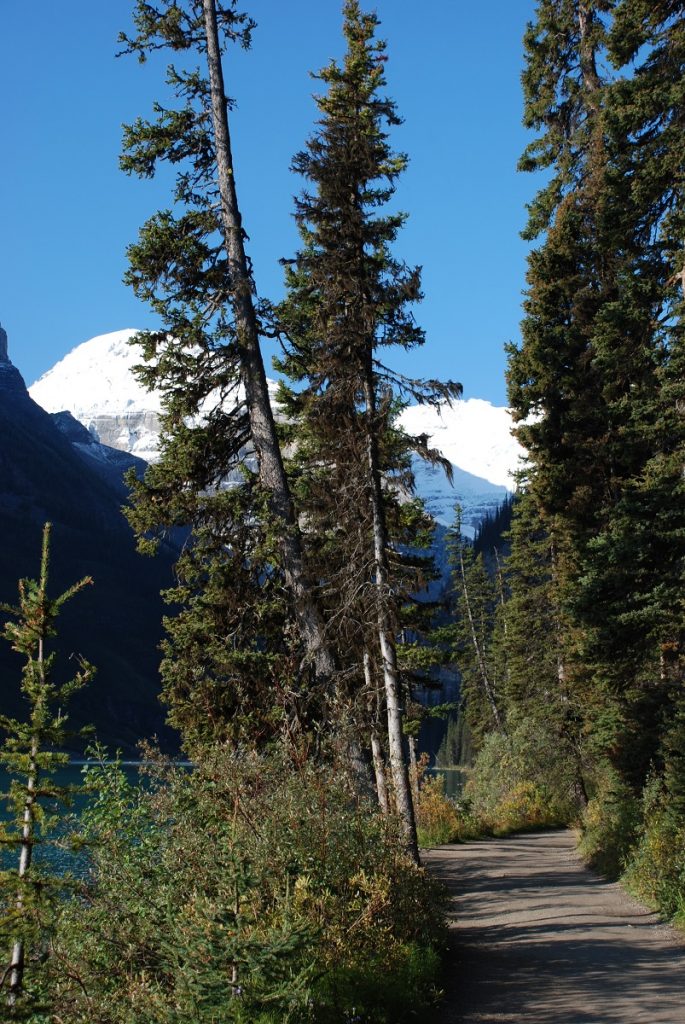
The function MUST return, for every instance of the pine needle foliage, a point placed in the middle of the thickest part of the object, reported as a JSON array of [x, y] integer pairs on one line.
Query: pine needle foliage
[[476, 637], [220, 474], [596, 389], [348, 300], [30, 755]]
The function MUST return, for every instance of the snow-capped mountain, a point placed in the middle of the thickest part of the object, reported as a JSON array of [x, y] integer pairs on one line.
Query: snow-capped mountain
[[475, 437], [95, 384]]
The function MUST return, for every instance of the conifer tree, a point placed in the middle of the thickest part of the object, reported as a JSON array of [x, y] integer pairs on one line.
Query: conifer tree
[[230, 671], [635, 564], [540, 688], [585, 381], [647, 111], [554, 387], [31, 755], [597, 381], [190, 265], [456, 747], [348, 298], [553, 382]]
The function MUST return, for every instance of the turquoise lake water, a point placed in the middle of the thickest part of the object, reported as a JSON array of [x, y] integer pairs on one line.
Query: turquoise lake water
[[71, 775]]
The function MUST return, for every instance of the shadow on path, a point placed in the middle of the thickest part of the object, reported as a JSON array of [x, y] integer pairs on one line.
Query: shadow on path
[[535, 937]]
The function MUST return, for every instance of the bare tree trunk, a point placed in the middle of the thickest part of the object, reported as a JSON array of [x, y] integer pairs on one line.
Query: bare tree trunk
[[413, 770], [376, 747], [480, 657], [263, 428], [17, 964], [588, 56], [391, 677], [505, 620], [579, 789], [16, 976], [379, 772], [500, 593]]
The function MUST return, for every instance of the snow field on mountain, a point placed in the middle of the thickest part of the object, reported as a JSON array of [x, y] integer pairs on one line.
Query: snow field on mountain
[[95, 384], [472, 434], [95, 378]]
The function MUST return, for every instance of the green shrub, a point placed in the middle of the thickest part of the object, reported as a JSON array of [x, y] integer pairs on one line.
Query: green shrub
[[441, 819], [382, 991], [656, 867], [519, 781], [246, 890], [522, 807], [610, 826], [437, 820]]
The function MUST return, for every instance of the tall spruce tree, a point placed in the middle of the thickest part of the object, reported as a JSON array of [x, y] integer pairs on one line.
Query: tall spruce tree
[[628, 594], [596, 383], [585, 381], [554, 386], [643, 544], [190, 265], [553, 383], [539, 688], [349, 297], [647, 110]]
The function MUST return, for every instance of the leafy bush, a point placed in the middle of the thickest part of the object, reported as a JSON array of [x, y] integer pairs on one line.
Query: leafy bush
[[437, 820], [656, 867], [522, 807], [610, 826], [519, 782], [441, 819], [246, 890]]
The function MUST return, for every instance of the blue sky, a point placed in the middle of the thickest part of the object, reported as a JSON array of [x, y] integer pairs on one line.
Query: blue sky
[[68, 213]]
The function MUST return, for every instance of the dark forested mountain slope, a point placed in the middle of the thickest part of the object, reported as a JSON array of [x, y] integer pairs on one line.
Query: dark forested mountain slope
[[116, 624]]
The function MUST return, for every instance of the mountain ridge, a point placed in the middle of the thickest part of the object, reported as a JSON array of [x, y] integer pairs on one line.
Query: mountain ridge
[[115, 624], [95, 384]]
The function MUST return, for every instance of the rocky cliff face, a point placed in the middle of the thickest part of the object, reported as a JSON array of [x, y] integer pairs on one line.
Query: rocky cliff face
[[110, 463], [134, 432], [11, 381]]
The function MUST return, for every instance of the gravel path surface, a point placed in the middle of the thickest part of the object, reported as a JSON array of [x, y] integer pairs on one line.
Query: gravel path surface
[[535, 937]]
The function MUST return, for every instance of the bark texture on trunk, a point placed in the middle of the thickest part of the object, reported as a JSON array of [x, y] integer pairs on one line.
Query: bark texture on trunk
[[413, 771], [379, 773], [386, 640], [16, 975], [376, 746], [588, 57], [262, 425]]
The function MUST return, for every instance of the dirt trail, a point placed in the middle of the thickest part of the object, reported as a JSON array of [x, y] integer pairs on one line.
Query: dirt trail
[[536, 938]]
